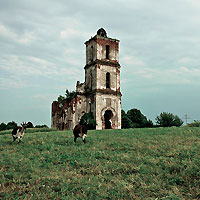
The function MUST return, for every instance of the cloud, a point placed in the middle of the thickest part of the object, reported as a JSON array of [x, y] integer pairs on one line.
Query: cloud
[[4, 31], [73, 33], [26, 38], [14, 82], [193, 3], [132, 60], [178, 76]]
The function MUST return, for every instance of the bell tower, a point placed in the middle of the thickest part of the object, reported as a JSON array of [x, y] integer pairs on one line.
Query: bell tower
[[102, 80]]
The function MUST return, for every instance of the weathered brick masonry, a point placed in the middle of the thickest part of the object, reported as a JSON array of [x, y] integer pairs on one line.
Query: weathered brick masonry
[[100, 93]]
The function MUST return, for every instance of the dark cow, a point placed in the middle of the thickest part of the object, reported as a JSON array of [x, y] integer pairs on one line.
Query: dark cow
[[80, 131], [18, 132]]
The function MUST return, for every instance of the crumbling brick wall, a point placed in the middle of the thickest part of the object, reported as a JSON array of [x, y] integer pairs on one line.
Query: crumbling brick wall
[[94, 95]]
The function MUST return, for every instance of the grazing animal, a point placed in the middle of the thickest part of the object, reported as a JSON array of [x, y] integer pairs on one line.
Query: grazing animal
[[80, 131], [18, 132]]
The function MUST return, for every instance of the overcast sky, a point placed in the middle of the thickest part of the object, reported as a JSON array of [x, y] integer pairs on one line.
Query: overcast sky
[[42, 53]]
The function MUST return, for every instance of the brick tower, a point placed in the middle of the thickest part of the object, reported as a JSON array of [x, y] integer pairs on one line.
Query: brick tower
[[102, 80]]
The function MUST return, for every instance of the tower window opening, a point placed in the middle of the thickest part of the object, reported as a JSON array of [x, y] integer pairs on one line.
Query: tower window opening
[[107, 80], [107, 51], [91, 58], [91, 80]]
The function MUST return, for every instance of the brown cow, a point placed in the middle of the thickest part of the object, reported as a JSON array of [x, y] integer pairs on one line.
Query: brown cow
[[80, 131]]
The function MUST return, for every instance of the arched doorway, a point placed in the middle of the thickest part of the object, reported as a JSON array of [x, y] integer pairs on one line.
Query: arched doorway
[[107, 117]]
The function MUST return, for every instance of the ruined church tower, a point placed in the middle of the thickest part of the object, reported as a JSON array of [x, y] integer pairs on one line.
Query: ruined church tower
[[102, 79], [100, 93]]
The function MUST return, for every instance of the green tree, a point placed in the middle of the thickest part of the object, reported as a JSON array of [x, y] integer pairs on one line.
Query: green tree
[[195, 123], [166, 119], [138, 119], [11, 125], [88, 120], [3, 126], [29, 125], [126, 122]]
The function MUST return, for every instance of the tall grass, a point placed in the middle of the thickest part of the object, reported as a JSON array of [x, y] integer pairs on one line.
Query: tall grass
[[160, 163]]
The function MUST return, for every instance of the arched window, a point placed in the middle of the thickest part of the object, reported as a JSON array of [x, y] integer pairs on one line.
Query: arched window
[[107, 51], [107, 80]]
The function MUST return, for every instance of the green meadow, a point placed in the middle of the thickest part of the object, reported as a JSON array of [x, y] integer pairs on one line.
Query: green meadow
[[157, 163]]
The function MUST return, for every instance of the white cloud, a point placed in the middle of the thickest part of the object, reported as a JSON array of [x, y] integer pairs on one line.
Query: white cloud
[[193, 3], [133, 61], [14, 82], [185, 60], [178, 76], [26, 38], [73, 33], [4, 31]]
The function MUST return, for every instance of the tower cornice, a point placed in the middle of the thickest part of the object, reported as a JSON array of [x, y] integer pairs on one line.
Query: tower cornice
[[96, 37], [103, 62], [100, 91]]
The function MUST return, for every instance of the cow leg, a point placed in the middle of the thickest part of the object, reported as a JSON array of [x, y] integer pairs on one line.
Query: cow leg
[[14, 138], [83, 138], [75, 139], [20, 139]]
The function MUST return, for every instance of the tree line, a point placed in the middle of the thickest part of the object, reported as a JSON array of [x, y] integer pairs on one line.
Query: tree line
[[135, 119], [11, 125]]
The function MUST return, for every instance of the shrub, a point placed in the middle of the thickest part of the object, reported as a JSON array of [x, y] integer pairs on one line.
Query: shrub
[[68, 96], [88, 120], [168, 119], [3, 126], [196, 123], [41, 126], [11, 125], [29, 125]]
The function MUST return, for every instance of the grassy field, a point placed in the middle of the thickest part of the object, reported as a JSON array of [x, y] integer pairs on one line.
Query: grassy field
[[162, 163]]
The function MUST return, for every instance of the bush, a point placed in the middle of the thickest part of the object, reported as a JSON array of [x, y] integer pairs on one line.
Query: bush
[[69, 95], [88, 120], [11, 125], [196, 123], [168, 119], [41, 126], [29, 125], [3, 126]]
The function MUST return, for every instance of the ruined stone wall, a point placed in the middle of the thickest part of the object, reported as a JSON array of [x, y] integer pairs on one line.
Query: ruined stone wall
[[94, 95], [90, 78], [63, 115], [91, 51], [80, 108]]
